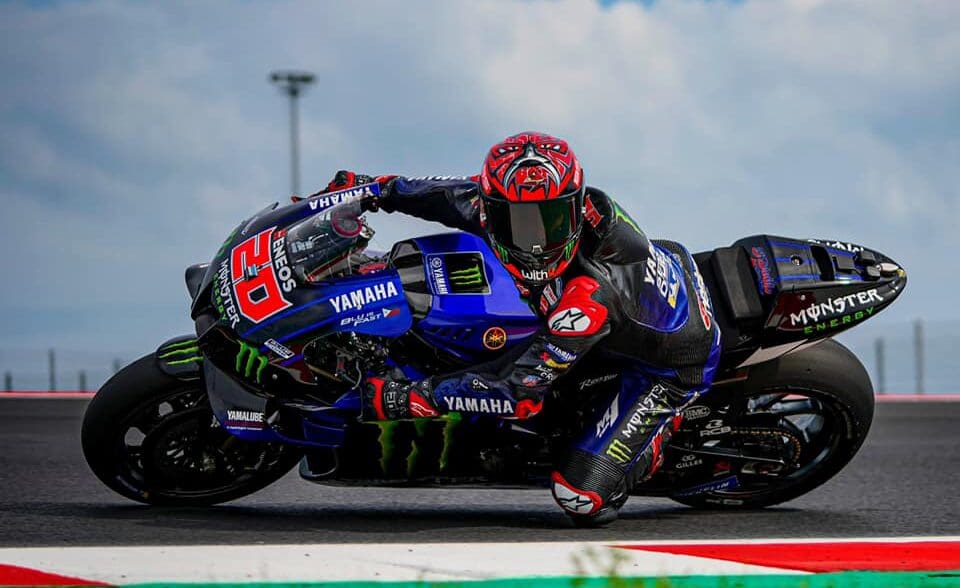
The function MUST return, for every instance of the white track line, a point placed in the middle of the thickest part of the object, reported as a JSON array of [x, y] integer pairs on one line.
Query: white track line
[[386, 562], [357, 562]]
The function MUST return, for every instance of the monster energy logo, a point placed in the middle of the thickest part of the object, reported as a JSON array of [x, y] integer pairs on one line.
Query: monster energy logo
[[464, 271], [227, 242], [180, 353], [623, 216], [250, 359], [422, 442], [467, 277], [619, 451]]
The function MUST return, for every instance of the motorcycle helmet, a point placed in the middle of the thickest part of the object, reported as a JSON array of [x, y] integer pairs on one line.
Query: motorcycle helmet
[[532, 199]]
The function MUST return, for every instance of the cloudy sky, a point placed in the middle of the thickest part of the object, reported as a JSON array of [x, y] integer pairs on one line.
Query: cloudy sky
[[135, 135]]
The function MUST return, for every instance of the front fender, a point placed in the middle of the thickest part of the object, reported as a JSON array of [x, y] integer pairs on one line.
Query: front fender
[[180, 358]]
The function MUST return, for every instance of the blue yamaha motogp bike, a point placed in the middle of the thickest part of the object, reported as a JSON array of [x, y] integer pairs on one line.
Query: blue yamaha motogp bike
[[292, 313]]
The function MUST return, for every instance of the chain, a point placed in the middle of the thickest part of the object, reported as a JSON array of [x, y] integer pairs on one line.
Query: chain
[[797, 445]]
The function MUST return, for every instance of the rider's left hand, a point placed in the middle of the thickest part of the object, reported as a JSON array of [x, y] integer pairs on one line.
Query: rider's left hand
[[347, 179], [344, 179]]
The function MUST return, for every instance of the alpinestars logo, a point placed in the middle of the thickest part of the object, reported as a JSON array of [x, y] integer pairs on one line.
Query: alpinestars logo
[[570, 321], [571, 500], [575, 503]]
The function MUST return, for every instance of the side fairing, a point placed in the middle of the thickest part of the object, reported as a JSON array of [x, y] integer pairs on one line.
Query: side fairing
[[475, 310]]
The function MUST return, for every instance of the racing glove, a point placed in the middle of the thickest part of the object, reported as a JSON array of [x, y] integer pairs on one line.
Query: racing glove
[[344, 179], [386, 399]]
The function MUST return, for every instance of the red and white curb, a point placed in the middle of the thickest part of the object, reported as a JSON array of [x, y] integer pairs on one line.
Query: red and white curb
[[470, 561], [28, 394], [918, 397]]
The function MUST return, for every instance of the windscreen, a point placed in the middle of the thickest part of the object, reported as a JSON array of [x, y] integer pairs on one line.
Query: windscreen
[[320, 246]]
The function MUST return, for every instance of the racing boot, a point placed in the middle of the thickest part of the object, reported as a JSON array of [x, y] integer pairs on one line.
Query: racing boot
[[622, 449], [384, 399]]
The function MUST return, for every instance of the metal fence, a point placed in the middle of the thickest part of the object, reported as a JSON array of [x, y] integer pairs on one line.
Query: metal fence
[[916, 357], [58, 369], [906, 358]]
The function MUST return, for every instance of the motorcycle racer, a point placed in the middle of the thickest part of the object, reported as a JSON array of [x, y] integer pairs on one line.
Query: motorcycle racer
[[599, 285]]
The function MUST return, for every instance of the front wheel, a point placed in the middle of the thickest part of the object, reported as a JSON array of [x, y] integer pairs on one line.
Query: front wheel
[[153, 438], [794, 424]]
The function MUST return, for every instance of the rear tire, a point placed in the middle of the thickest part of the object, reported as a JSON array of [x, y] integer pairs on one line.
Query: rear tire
[[839, 390], [153, 438]]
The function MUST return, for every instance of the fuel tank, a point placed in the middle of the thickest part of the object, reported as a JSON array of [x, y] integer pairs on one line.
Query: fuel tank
[[465, 301]]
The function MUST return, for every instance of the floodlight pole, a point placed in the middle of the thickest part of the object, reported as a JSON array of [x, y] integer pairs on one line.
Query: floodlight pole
[[292, 84]]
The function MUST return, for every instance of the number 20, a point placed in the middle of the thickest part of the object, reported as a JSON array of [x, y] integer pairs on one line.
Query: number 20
[[258, 296]]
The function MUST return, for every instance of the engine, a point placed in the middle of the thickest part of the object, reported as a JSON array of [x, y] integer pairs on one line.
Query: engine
[[341, 360]]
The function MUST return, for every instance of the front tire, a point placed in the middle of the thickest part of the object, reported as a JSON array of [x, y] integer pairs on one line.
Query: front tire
[[813, 407], [153, 438]]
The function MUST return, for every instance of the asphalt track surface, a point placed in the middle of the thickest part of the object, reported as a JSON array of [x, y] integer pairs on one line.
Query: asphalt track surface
[[904, 482]]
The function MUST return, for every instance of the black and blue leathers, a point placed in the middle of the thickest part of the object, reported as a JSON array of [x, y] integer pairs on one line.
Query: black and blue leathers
[[623, 295]]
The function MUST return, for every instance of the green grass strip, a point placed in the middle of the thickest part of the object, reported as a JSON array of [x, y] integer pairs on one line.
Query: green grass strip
[[835, 580]]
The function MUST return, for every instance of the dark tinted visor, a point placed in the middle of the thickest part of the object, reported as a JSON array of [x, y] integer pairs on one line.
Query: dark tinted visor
[[525, 225]]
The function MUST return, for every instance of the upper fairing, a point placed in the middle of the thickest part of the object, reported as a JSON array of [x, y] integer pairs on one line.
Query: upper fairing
[[272, 312]]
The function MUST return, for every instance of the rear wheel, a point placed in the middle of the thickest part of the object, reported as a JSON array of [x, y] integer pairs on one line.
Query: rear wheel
[[154, 439], [794, 424]]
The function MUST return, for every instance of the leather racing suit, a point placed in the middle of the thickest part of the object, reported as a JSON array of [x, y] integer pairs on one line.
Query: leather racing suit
[[622, 294]]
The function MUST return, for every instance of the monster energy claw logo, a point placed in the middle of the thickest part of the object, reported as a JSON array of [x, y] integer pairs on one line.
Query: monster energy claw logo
[[424, 436], [621, 215], [250, 362], [619, 451], [467, 277], [458, 273], [180, 353]]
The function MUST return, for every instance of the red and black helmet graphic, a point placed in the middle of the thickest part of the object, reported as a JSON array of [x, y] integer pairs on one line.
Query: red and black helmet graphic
[[532, 198], [530, 167]]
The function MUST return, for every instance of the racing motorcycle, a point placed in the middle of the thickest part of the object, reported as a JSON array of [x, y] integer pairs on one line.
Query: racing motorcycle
[[293, 312]]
